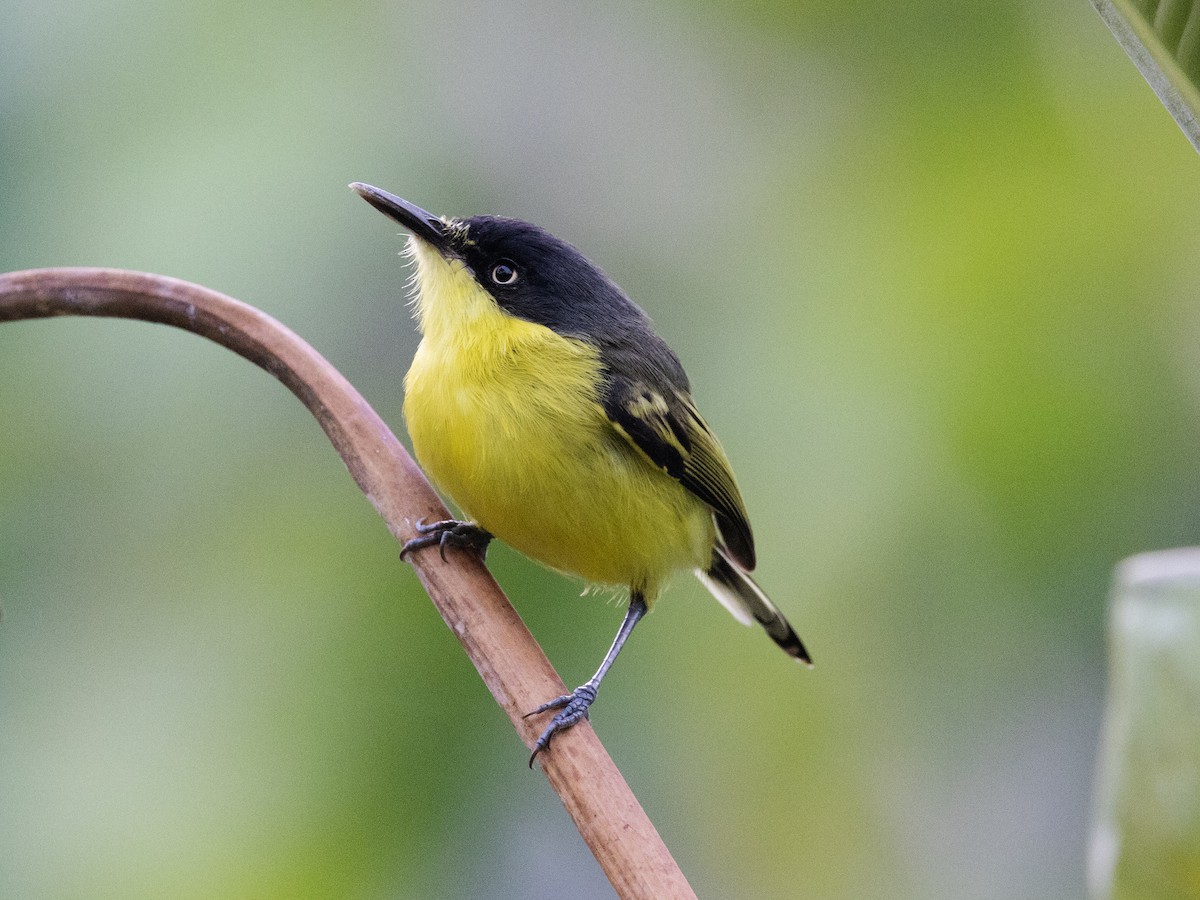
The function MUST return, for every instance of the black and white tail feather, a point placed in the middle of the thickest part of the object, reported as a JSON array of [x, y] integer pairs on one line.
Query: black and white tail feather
[[746, 601]]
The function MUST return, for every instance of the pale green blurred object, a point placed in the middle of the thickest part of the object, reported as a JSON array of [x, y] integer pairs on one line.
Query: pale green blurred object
[[1162, 37], [1146, 838]]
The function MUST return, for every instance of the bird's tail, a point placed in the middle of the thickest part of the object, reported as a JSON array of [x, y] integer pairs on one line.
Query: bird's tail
[[741, 596]]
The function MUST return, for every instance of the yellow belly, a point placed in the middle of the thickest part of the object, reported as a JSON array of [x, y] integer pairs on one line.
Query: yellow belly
[[511, 429]]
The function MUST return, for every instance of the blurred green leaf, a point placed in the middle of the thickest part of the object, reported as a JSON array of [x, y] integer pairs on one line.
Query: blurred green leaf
[[1162, 37], [1146, 838]]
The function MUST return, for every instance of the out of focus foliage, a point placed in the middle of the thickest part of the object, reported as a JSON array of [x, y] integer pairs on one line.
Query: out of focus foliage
[[1146, 840], [930, 267], [1163, 41]]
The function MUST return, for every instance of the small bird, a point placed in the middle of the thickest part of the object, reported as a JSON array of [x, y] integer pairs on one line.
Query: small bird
[[541, 400]]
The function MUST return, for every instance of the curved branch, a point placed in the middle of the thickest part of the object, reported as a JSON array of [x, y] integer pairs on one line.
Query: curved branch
[[512, 665]]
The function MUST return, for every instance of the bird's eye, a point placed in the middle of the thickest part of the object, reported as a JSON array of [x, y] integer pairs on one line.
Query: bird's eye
[[504, 272]]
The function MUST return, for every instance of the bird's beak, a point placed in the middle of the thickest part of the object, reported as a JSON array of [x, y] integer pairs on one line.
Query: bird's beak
[[424, 225]]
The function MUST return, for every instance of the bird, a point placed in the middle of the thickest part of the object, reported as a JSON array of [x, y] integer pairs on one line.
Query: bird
[[541, 400]]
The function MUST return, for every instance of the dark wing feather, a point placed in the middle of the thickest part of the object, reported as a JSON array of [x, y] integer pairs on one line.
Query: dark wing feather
[[669, 431]]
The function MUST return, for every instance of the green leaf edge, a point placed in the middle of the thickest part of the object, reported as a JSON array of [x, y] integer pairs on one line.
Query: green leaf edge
[[1178, 93]]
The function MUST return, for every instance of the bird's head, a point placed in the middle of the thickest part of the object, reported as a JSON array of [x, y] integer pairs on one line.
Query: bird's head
[[473, 267]]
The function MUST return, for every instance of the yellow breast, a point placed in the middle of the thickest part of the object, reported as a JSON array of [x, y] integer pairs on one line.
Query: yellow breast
[[504, 417]]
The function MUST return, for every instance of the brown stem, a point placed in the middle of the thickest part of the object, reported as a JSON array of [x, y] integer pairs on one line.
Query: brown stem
[[512, 665]]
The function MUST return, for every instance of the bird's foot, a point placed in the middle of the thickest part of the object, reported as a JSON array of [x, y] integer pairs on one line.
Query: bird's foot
[[449, 531], [573, 708]]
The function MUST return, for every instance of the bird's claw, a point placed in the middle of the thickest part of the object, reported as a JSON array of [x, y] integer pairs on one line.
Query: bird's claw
[[573, 708], [448, 531]]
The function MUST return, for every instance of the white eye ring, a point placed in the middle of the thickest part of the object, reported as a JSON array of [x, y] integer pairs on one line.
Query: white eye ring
[[504, 273]]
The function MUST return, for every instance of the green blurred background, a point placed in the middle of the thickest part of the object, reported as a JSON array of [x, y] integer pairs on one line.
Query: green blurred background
[[930, 268]]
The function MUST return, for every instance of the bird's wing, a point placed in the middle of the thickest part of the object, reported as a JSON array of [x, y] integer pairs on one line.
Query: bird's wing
[[665, 426]]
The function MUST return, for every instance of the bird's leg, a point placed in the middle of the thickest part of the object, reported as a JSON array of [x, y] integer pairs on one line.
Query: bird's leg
[[573, 707], [448, 531]]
